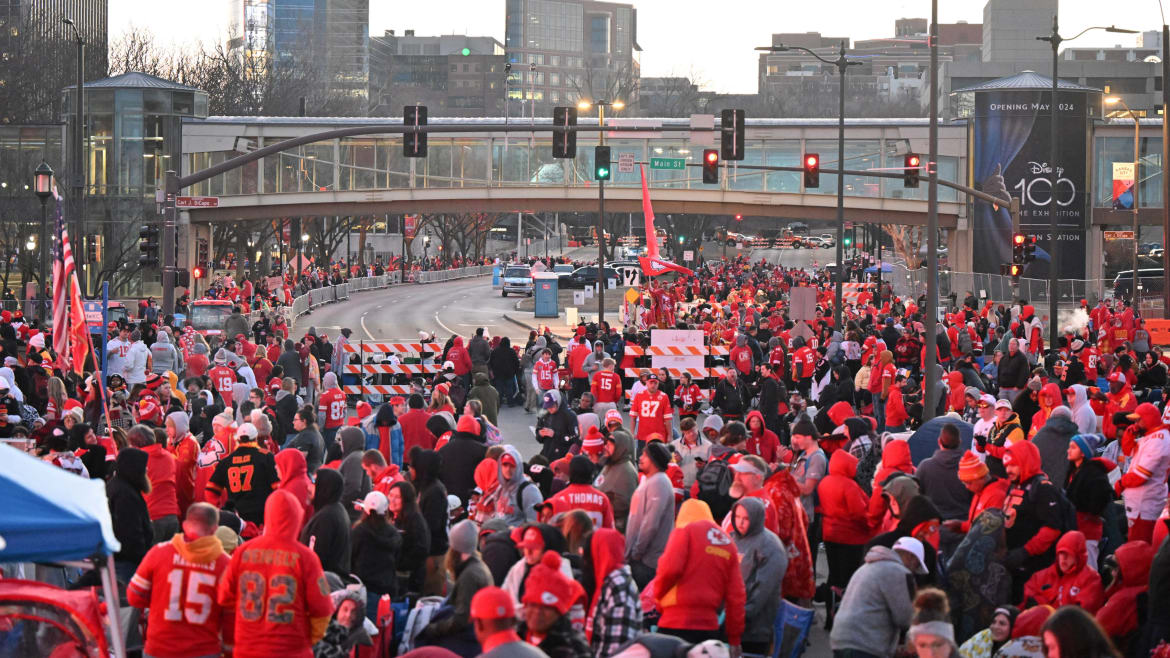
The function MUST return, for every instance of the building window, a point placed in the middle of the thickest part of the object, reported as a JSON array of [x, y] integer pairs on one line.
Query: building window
[[599, 33]]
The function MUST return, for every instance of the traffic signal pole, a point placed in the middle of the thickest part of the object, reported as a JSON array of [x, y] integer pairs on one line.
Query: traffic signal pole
[[930, 381], [167, 245], [601, 225]]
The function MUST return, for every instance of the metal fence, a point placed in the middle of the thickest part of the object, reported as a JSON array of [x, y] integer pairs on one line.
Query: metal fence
[[448, 275], [997, 287]]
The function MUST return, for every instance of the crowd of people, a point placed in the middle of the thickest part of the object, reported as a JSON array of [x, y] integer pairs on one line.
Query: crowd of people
[[262, 510]]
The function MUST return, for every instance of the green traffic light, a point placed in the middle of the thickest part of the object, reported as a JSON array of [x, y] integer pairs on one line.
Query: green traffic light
[[465, 52], [682, 239], [847, 241], [602, 173]]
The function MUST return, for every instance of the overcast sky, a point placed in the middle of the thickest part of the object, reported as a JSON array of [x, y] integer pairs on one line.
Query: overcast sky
[[712, 40]]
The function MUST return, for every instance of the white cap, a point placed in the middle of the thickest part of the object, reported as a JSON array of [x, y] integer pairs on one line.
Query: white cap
[[988, 398], [453, 502], [1003, 404], [246, 430], [375, 501], [447, 365], [914, 547]]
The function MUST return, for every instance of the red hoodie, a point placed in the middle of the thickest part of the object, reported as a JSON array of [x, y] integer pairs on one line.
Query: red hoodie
[[762, 442], [1080, 586], [160, 470], [699, 574], [843, 502], [415, 432], [294, 477], [277, 587], [607, 548], [896, 414], [895, 459], [1119, 615], [458, 356]]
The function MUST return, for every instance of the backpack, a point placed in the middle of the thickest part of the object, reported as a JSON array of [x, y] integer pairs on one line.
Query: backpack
[[715, 486]]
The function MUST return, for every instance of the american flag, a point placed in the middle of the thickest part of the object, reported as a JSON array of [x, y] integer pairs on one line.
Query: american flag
[[70, 332]]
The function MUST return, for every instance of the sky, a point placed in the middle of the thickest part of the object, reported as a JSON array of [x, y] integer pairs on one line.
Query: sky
[[712, 42]]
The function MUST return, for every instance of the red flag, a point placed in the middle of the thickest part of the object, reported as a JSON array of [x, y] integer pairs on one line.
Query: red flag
[[648, 211], [654, 266], [78, 329]]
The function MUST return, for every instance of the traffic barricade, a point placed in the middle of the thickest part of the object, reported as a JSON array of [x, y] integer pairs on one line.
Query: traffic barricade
[[376, 378], [713, 370]]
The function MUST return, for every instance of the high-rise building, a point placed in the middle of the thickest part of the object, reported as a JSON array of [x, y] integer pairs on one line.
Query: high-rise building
[[346, 33], [1010, 28], [581, 49], [38, 54], [453, 75]]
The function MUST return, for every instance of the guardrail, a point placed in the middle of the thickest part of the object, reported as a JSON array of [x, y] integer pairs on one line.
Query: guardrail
[[448, 275]]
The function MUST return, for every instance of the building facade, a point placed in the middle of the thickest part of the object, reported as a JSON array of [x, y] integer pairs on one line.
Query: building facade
[[562, 51], [453, 75]]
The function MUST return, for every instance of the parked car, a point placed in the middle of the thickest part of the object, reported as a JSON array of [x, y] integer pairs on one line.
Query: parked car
[[517, 279], [828, 240], [1150, 279], [586, 276], [563, 271]]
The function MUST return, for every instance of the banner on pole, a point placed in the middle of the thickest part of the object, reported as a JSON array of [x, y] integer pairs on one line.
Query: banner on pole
[[1123, 177]]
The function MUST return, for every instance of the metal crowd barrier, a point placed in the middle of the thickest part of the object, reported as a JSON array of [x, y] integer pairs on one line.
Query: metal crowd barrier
[[329, 294]]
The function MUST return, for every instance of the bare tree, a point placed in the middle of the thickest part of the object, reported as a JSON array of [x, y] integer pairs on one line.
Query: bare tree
[[671, 96]]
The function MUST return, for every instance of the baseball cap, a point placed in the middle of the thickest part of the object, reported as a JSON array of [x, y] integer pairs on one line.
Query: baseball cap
[[492, 603], [749, 465], [396, 400], [613, 416], [651, 376], [531, 539], [987, 400], [507, 458], [246, 432], [914, 547], [375, 501], [1116, 377], [551, 400], [447, 365], [1146, 412], [1003, 404]]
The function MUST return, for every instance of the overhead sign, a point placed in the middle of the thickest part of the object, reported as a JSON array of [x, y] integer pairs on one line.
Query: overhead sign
[[196, 202], [1118, 235], [625, 163], [631, 277], [668, 163]]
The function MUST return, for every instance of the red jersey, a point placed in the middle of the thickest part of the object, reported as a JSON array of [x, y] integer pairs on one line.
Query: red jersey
[[222, 379], [577, 354], [545, 373], [877, 375], [277, 588], [804, 363], [1089, 356], [689, 396], [607, 386], [741, 358], [332, 407], [652, 413], [177, 580], [776, 356], [594, 503]]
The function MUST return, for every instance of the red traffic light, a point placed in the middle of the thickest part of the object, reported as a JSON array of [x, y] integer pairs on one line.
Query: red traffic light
[[711, 155], [1016, 270], [913, 161], [197, 272], [739, 218], [1018, 238], [811, 161]]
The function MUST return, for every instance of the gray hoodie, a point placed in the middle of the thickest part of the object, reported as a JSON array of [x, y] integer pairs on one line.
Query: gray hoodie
[[355, 481], [877, 606], [1052, 441], [618, 478], [763, 561], [834, 346], [506, 508], [1083, 414], [651, 520], [164, 356]]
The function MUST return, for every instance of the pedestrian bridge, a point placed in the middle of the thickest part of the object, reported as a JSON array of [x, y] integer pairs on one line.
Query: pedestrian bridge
[[494, 172]]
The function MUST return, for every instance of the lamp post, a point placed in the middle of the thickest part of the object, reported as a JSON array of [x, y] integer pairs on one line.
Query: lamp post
[[601, 105], [1117, 100], [1054, 39], [79, 147], [43, 185], [842, 63]]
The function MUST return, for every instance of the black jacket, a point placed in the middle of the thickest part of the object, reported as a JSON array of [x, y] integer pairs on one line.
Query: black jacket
[[460, 457], [499, 553], [374, 557], [432, 497], [1088, 488], [561, 640], [503, 362], [286, 408], [416, 541], [329, 524], [563, 423], [128, 512], [939, 476], [732, 400], [1013, 370]]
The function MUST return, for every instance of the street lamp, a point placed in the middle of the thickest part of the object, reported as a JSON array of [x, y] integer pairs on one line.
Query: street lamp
[[584, 105], [1117, 100], [842, 64], [43, 185], [79, 141], [1055, 40]]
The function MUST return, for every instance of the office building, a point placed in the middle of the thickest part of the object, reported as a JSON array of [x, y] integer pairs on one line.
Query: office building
[[453, 75], [565, 50]]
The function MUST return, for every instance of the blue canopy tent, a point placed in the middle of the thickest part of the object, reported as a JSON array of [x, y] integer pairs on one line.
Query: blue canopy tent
[[51, 515], [886, 268], [924, 441]]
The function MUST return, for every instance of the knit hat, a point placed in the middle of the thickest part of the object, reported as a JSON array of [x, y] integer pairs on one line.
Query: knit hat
[[1087, 443], [613, 415], [659, 454], [594, 442], [468, 425], [971, 468], [492, 603], [547, 586], [463, 536], [227, 538]]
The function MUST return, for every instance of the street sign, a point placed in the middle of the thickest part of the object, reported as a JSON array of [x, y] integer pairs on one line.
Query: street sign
[[625, 163], [632, 296], [668, 163], [196, 202], [688, 256], [1118, 235]]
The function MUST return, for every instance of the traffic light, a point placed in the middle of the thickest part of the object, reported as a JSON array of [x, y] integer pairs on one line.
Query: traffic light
[[183, 278], [601, 163], [738, 218], [1030, 249], [812, 170], [1019, 240], [847, 240], [711, 167], [911, 170], [1015, 271], [198, 272], [414, 145], [148, 245], [731, 141], [682, 239], [564, 138]]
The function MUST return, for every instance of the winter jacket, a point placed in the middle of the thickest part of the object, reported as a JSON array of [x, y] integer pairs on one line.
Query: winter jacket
[[128, 512], [877, 606], [470, 577], [459, 357], [304, 617], [939, 475], [895, 459], [731, 400], [499, 553], [1119, 616], [1029, 504], [917, 511], [479, 351], [160, 469], [515, 501], [843, 502], [328, 528], [763, 442], [460, 456], [618, 478], [294, 478], [563, 423], [1088, 489], [615, 612], [649, 524], [310, 442], [164, 357], [374, 554], [1083, 414], [415, 432], [290, 363], [1052, 442], [426, 467], [487, 395], [1080, 586], [698, 575], [503, 362], [763, 561]]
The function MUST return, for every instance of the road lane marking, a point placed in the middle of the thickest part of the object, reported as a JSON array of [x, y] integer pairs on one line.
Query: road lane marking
[[363, 321], [445, 327]]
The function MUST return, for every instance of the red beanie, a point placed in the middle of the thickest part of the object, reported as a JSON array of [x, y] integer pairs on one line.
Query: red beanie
[[468, 425], [594, 442], [546, 585]]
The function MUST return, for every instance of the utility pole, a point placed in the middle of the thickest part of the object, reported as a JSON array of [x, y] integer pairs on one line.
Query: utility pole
[[931, 379]]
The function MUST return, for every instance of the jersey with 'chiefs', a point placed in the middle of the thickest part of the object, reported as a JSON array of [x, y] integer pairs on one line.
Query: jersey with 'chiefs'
[[803, 362], [185, 619], [689, 396], [652, 411], [584, 497], [606, 386], [248, 475], [332, 407], [223, 378]]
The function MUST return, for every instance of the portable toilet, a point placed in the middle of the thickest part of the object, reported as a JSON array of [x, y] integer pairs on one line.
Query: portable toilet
[[544, 295]]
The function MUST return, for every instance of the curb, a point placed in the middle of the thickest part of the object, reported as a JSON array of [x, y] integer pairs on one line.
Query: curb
[[529, 327]]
